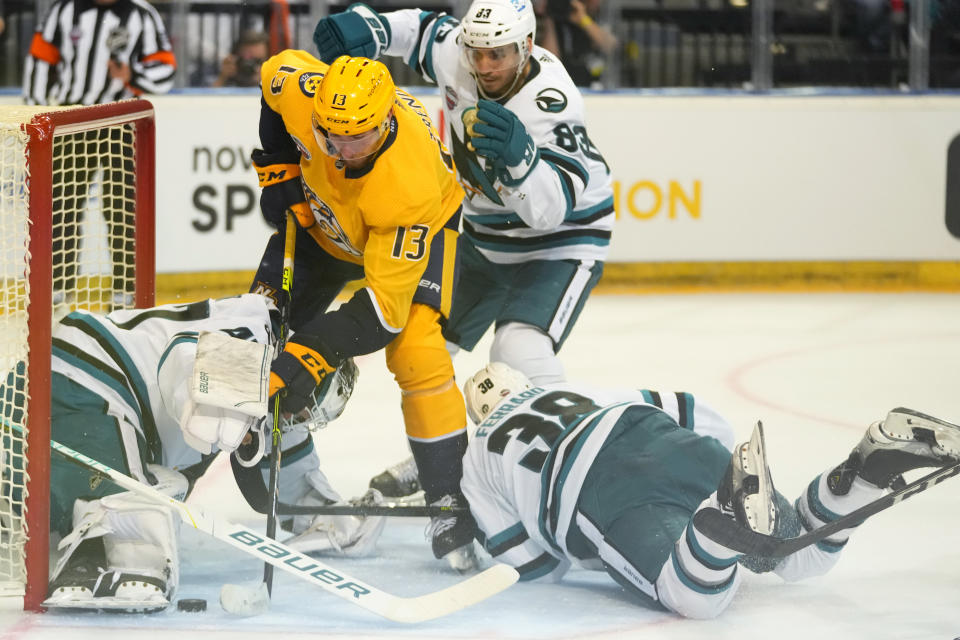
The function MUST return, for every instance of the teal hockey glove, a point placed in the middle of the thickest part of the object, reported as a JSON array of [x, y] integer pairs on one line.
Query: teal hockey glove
[[358, 31], [500, 136]]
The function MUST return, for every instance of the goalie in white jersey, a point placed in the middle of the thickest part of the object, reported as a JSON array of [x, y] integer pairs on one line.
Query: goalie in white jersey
[[122, 392], [562, 475]]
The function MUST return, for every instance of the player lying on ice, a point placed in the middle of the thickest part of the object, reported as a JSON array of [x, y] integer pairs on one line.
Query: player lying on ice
[[122, 393], [563, 474]]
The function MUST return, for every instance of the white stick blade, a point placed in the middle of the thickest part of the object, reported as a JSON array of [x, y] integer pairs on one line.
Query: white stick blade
[[459, 596], [244, 601]]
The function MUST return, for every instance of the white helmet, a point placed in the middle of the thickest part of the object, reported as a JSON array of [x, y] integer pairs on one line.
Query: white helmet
[[487, 387], [329, 399], [500, 25], [493, 23]]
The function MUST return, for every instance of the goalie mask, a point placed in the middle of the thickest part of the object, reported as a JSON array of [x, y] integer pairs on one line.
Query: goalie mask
[[495, 43], [487, 387], [329, 399]]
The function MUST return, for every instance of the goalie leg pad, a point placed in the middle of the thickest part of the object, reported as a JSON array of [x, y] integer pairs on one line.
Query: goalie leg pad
[[134, 563]]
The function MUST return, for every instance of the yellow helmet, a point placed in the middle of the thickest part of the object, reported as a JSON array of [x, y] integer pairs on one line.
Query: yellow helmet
[[354, 96]]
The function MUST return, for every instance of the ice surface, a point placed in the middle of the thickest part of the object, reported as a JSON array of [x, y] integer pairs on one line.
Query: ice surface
[[815, 368]]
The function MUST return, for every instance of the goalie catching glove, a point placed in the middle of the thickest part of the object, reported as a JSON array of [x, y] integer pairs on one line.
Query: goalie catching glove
[[497, 134]]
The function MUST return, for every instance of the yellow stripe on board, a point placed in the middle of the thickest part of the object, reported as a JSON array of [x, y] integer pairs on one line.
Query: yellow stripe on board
[[664, 277]]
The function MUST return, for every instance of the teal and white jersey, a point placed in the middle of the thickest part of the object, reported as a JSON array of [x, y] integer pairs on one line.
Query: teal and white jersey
[[140, 362], [525, 467], [564, 208]]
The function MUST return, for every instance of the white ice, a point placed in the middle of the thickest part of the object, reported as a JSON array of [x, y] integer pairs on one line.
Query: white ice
[[816, 368]]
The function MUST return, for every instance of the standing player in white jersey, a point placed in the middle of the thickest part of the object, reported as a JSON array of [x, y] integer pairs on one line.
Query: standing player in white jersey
[[121, 394], [610, 480], [539, 209]]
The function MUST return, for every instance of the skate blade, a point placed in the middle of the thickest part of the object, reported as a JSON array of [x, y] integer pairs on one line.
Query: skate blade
[[412, 500], [908, 425], [760, 507], [464, 559], [108, 603]]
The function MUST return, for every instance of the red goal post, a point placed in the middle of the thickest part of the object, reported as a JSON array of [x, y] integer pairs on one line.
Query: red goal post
[[77, 194]]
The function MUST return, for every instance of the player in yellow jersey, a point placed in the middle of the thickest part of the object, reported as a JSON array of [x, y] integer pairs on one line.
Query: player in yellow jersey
[[375, 196]]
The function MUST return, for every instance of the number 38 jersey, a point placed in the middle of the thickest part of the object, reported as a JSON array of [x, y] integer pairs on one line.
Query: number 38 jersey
[[525, 467]]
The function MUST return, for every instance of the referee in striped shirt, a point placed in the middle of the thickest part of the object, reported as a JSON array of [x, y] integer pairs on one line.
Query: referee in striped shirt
[[96, 51], [91, 52]]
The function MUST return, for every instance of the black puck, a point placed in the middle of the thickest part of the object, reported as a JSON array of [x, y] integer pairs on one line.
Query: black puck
[[192, 604]]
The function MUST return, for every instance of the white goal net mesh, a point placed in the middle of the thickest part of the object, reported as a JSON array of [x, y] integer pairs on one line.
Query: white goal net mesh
[[92, 185]]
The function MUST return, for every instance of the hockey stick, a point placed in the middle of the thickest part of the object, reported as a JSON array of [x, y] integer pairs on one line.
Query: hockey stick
[[726, 531], [399, 609], [289, 246], [250, 482]]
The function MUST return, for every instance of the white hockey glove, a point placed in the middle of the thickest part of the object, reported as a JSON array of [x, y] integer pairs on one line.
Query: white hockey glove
[[351, 536], [205, 427]]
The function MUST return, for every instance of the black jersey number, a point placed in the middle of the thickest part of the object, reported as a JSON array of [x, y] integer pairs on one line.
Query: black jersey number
[[411, 242], [563, 405]]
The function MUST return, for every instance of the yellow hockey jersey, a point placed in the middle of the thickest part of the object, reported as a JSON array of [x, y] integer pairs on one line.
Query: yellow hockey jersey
[[384, 215]]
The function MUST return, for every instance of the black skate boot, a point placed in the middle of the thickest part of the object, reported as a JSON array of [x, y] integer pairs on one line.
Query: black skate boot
[[399, 484], [904, 441], [452, 536], [746, 492]]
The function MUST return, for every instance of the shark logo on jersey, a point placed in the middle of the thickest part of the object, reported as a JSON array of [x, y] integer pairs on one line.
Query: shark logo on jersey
[[327, 221], [551, 101], [309, 82], [474, 179]]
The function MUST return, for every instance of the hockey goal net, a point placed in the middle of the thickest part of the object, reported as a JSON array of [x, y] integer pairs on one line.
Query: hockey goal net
[[76, 230]]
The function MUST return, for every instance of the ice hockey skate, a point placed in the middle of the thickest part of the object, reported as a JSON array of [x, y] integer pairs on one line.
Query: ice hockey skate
[[904, 441], [399, 484], [85, 583], [746, 491], [452, 536]]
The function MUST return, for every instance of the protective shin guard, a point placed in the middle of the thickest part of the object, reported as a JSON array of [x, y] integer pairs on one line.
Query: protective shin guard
[[815, 508], [700, 577], [440, 465]]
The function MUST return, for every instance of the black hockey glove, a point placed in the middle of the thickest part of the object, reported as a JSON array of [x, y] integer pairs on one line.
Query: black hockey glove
[[295, 374], [279, 175]]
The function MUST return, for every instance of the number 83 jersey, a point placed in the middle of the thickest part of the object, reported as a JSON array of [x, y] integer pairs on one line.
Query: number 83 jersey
[[526, 465]]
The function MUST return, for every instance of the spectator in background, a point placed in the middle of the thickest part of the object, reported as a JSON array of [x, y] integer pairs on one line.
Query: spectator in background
[[3, 25], [93, 52], [241, 68], [571, 31]]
